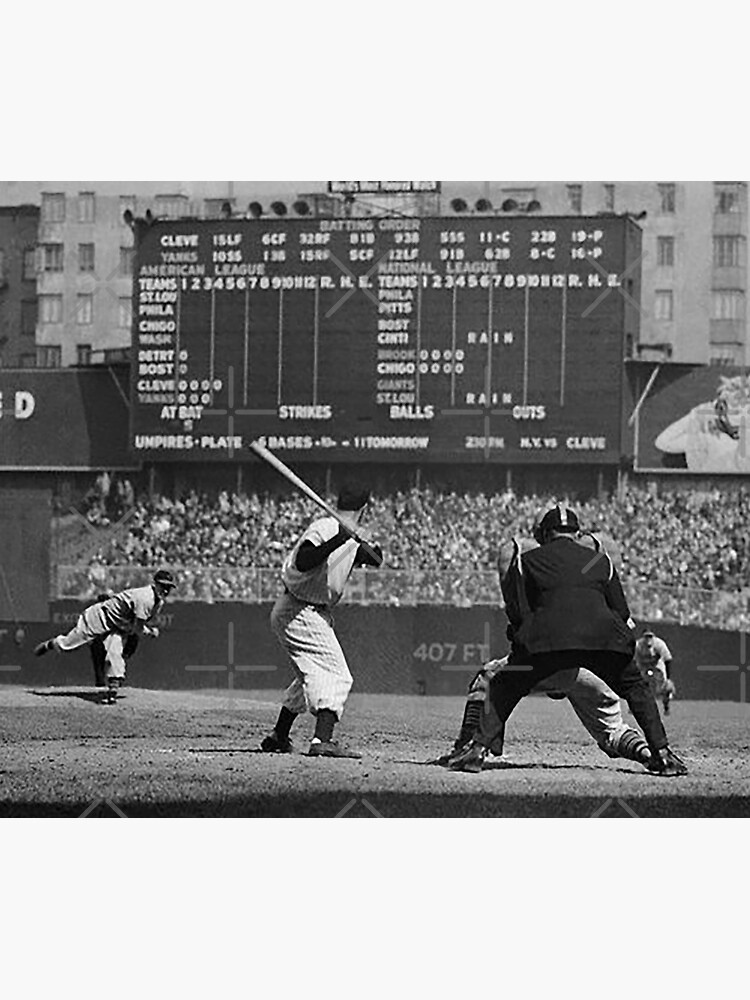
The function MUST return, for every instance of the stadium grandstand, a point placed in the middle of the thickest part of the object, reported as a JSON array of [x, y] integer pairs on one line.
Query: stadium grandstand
[[684, 551]]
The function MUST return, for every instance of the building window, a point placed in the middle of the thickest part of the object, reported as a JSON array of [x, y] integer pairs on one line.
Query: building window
[[664, 305], [724, 356], [728, 197], [127, 256], [86, 257], [86, 206], [667, 198], [609, 197], [84, 310], [49, 356], [665, 251], [575, 197], [127, 204], [29, 313], [50, 308], [53, 207], [83, 354], [28, 361], [728, 303], [171, 206], [729, 251], [125, 313], [29, 264], [53, 256]]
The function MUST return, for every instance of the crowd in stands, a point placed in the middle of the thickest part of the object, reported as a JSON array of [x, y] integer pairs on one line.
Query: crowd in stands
[[109, 499], [441, 547]]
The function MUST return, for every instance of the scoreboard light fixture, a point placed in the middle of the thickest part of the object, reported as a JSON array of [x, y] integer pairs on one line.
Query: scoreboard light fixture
[[533, 205], [226, 210], [483, 205], [128, 218], [149, 216], [301, 208], [459, 205], [509, 205], [278, 208], [255, 209]]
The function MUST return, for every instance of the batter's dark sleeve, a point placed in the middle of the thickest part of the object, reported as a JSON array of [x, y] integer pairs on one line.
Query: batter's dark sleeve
[[309, 556]]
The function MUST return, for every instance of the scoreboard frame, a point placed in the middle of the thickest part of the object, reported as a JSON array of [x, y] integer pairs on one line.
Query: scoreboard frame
[[306, 436]]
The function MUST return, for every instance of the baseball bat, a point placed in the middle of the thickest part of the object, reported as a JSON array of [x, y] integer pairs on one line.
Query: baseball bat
[[268, 456]]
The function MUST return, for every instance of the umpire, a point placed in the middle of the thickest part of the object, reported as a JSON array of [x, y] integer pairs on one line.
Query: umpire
[[574, 614]]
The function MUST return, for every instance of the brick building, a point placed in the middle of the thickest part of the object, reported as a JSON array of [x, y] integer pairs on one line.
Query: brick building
[[18, 296]]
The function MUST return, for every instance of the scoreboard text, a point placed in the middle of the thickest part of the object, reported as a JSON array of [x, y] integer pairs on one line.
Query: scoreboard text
[[444, 339]]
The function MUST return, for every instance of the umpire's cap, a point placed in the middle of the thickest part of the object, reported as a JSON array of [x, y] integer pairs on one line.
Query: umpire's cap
[[352, 498], [560, 519], [164, 578]]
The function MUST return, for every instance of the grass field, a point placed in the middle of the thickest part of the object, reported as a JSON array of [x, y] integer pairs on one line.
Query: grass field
[[175, 753]]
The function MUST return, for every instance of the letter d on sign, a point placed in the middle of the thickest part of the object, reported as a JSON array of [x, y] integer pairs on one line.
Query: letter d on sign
[[25, 405]]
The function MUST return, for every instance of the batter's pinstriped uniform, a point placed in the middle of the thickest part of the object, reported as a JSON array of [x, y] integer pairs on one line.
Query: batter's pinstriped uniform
[[302, 622]]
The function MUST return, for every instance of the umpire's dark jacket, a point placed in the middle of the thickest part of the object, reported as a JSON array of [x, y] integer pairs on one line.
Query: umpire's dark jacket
[[573, 599]]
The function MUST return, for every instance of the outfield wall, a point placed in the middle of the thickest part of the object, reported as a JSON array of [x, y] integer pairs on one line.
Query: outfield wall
[[422, 650]]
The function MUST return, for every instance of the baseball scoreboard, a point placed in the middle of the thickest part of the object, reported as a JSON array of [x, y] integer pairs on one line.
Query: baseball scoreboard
[[482, 338]]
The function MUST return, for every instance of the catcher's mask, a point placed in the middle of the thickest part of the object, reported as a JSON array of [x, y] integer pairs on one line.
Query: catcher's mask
[[560, 519]]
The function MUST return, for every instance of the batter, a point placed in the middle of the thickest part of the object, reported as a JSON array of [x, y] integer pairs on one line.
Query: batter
[[314, 575]]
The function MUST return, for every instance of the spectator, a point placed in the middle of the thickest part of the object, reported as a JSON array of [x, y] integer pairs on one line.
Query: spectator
[[685, 555]]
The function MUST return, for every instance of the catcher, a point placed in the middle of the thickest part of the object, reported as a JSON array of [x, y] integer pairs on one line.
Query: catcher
[[566, 610], [593, 701]]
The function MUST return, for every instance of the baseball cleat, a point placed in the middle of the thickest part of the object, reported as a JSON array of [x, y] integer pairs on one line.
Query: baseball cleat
[[43, 647], [666, 764], [470, 759], [445, 759], [332, 749], [272, 744]]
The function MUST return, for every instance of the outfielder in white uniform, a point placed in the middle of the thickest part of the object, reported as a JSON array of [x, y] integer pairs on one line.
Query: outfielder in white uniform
[[654, 659], [113, 620], [314, 575]]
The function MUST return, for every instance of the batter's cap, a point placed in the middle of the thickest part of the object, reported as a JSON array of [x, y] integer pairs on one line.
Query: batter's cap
[[558, 518], [353, 497], [649, 635], [165, 578]]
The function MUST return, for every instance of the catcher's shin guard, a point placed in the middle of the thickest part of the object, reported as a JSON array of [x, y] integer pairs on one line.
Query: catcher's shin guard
[[471, 721], [629, 745]]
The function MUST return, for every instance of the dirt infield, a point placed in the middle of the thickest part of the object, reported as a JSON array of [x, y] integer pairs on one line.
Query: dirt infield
[[172, 753]]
